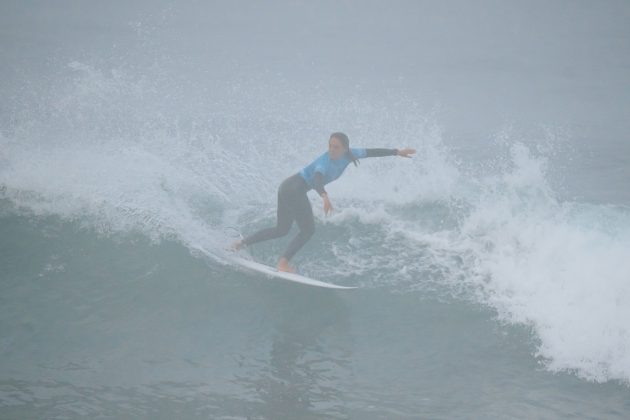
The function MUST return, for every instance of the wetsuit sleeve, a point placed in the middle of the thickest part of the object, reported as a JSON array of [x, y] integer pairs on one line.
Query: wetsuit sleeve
[[358, 152], [380, 152], [318, 182]]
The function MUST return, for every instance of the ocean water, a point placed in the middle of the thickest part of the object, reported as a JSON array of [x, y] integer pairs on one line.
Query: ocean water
[[137, 140]]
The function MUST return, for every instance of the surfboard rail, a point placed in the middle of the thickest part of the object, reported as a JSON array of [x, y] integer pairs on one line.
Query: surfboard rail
[[274, 273]]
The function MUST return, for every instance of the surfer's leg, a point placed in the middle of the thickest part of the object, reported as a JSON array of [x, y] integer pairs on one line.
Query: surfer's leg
[[303, 214], [283, 223]]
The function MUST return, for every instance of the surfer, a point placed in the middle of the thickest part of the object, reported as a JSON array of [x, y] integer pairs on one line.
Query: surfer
[[293, 203]]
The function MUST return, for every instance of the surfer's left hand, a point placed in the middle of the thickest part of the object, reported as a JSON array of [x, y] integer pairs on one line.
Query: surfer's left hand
[[327, 206], [406, 152]]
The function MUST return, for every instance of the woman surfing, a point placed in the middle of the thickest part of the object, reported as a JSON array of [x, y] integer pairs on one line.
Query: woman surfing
[[293, 203]]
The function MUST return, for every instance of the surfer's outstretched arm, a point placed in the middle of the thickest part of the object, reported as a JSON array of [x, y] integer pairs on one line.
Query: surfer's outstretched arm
[[378, 152]]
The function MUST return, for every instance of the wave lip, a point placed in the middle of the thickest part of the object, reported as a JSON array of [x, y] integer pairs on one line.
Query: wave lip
[[561, 268]]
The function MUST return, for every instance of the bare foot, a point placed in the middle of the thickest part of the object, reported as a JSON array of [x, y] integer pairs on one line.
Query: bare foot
[[283, 265], [237, 245]]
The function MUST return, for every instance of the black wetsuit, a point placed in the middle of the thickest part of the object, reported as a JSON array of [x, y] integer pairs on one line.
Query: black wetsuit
[[293, 204]]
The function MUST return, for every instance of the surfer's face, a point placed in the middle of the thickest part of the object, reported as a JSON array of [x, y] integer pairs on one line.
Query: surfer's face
[[336, 150]]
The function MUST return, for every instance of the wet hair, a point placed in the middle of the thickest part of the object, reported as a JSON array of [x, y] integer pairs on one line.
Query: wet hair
[[343, 138]]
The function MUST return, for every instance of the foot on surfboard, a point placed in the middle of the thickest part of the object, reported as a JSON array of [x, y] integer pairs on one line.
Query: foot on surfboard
[[283, 265], [236, 245]]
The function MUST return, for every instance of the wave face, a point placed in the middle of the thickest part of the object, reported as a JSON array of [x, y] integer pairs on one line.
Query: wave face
[[121, 181]]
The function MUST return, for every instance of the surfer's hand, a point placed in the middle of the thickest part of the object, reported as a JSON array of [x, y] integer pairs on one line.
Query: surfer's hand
[[406, 152], [327, 206]]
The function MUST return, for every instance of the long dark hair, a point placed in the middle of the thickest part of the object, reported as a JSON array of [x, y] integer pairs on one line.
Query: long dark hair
[[343, 138]]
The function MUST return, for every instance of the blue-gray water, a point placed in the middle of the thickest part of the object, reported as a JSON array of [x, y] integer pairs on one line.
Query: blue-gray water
[[135, 139]]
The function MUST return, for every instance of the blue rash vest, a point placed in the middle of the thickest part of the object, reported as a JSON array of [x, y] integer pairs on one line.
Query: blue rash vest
[[329, 168]]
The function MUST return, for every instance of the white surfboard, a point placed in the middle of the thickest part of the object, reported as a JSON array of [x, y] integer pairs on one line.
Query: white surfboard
[[273, 272]]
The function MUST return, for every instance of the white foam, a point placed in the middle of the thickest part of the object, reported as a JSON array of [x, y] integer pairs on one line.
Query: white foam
[[562, 268]]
